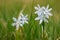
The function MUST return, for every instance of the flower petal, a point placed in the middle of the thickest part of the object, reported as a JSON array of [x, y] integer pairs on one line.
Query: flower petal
[[36, 12], [45, 20], [19, 18], [13, 24], [36, 8], [21, 14], [50, 14], [40, 21], [26, 22], [26, 16], [21, 25], [14, 19], [47, 6], [47, 16], [37, 18], [17, 26], [50, 9]]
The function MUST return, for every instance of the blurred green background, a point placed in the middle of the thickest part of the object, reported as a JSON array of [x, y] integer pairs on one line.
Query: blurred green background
[[31, 31]]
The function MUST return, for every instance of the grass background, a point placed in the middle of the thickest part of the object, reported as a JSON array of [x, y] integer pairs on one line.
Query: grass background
[[31, 31]]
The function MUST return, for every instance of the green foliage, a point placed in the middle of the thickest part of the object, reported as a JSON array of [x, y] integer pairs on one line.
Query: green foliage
[[32, 30]]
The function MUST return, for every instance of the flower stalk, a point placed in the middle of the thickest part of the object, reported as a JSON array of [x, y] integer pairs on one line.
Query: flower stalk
[[43, 30]]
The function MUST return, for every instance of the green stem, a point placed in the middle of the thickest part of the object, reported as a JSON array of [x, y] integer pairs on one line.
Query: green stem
[[43, 30]]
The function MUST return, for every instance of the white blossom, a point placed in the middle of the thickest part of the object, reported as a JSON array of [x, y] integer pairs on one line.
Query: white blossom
[[43, 13], [20, 21]]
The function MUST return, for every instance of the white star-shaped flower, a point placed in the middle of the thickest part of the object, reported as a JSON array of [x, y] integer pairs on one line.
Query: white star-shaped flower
[[24, 19], [43, 13], [20, 21]]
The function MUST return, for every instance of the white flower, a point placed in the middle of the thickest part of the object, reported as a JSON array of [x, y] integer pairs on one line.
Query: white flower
[[20, 21], [24, 19], [43, 13]]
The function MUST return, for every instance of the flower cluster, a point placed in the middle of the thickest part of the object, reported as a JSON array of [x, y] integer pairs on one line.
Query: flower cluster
[[20, 21], [43, 13]]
